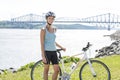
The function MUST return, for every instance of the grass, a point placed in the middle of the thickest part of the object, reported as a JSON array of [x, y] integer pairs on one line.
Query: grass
[[113, 62]]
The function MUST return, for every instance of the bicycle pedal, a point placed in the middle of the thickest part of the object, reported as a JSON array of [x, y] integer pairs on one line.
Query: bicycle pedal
[[65, 76]]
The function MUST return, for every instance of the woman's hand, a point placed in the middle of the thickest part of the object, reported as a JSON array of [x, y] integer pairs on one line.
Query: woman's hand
[[44, 60], [64, 49]]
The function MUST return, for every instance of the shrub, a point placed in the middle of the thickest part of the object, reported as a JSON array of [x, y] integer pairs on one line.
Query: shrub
[[27, 66], [70, 59]]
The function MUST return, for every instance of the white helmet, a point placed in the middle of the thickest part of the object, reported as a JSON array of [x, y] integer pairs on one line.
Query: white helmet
[[50, 14]]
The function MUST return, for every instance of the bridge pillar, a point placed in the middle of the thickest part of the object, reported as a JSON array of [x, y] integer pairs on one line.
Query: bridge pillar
[[108, 27], [109, 16]]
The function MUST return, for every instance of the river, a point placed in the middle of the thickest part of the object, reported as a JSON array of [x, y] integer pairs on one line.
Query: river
[[21, 46]]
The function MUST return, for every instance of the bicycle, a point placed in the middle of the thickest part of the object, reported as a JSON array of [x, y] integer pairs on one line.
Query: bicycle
[[92, 69]]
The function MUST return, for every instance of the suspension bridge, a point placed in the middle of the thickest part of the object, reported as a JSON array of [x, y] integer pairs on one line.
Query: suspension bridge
[[107, 20]]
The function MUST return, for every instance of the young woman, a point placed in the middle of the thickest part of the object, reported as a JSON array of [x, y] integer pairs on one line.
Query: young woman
[[48, 46]]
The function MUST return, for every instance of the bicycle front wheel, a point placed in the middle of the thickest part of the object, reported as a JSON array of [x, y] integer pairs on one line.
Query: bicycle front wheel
[[101, 70], [38, 69]]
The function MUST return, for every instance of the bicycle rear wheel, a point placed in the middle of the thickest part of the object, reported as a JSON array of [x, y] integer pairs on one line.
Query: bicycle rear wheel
[[101, 70], [37, 71]]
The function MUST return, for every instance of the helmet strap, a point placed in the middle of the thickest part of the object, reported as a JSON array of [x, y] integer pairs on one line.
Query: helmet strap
[[49, 23]]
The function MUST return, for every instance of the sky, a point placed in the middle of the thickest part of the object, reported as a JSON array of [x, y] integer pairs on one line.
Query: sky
[[62, 8]]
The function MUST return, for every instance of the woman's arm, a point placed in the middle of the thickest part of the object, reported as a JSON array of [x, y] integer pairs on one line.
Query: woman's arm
[[42, 38], [58, 45], [42, 34]]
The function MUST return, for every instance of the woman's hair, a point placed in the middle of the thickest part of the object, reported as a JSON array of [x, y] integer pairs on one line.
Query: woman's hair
[[48, 14]]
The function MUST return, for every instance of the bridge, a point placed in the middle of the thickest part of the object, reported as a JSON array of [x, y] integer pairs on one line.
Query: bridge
[[107, 20]]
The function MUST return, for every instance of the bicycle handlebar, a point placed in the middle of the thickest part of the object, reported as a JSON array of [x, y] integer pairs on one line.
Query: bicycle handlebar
[[58, 50], [87, 47]]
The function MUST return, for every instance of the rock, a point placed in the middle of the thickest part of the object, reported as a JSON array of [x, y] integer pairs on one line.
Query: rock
[[1, 71], [114, 48], [13, 70]]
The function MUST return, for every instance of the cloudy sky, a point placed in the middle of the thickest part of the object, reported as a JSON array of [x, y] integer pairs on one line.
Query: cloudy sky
[[63, 8]]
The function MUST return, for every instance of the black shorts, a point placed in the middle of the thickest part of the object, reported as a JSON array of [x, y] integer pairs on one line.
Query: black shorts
[[51, 56]]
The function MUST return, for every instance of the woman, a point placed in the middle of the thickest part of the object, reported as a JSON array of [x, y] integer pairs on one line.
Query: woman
[[48, 46]]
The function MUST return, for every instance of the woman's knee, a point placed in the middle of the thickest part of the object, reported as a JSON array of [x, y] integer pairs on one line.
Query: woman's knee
[[46, 69], [56, 68]]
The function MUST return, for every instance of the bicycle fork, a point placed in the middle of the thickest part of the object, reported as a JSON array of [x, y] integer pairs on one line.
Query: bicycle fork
[[91, 68]]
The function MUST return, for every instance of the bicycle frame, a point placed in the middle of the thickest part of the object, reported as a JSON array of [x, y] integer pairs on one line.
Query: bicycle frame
[[85, 57]]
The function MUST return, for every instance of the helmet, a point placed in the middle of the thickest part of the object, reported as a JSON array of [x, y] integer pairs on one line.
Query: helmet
[[50, 14]]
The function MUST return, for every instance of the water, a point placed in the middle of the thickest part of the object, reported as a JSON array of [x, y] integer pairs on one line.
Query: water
[[21, 46]]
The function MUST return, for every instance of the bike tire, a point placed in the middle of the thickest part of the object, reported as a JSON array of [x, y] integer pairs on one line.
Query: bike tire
[[37, 71], [102, 71]]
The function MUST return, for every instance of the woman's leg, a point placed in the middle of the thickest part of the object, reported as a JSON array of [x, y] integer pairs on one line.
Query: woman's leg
[[46, 70], [56, 71]]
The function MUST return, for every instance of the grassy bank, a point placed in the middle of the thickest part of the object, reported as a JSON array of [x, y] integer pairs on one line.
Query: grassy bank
[[113, 62]]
